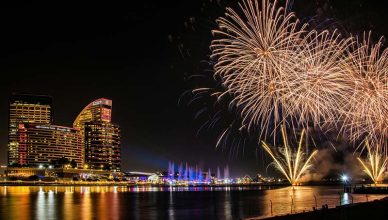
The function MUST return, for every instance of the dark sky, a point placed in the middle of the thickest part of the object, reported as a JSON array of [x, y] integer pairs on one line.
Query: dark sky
[[129, 53]]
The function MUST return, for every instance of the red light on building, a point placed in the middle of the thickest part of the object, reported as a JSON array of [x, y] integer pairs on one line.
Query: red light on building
[[22, 136]]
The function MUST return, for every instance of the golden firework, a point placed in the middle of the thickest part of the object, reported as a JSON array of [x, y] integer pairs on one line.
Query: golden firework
[[278, 72], [254, 53], [292, 164], [375, 164], [366, 110], [318, 85]]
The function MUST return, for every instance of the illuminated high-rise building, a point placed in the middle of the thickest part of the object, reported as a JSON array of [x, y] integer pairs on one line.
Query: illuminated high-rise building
[[102, 145], [101, 138], [34, 141], [31, 109], [98, 111], [46, 144]]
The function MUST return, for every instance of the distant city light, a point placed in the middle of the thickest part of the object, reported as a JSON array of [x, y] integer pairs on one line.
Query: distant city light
[[344, 178]]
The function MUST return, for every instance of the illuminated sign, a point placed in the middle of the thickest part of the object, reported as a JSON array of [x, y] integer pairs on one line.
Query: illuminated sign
[[97, 102], [52, 128], [102, 101]]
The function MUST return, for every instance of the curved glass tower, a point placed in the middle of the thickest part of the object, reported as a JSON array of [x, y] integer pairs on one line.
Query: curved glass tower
[[101, 138], [96, 111]]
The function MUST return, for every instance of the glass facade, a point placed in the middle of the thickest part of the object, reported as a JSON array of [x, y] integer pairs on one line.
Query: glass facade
[[97, 111], [102, 145], [101, 138]]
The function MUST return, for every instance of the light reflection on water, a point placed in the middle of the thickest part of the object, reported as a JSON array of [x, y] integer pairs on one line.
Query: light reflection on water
[[118, 202]]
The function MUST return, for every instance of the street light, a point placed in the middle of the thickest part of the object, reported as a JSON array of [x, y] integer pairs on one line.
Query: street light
[[345, 181]]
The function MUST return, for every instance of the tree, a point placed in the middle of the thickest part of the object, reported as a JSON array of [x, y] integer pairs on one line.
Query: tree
[[61, 162], [73, 163]]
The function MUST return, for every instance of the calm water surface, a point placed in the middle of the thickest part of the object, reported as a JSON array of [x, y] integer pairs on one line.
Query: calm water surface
[[100, 202]]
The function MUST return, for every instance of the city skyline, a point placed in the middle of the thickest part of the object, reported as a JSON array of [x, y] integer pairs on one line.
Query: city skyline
[[196, 109], [127, 56], [92, 142]]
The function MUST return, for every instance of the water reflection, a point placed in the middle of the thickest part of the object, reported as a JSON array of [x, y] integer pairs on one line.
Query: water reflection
[[171, 212], [39, 205], [119, 202], [68, 204]]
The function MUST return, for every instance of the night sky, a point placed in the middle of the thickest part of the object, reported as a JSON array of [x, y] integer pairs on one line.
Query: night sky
[[133, 55]]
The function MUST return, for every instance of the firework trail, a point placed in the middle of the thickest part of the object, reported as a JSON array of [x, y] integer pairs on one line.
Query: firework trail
[[292, 164], [375, 164]]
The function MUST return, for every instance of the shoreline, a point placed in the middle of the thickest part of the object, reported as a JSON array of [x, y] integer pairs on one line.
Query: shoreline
[[85, 183], [356, 189], [361, 210]]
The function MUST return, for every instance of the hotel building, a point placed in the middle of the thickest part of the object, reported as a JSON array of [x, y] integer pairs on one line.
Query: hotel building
[[101, 138], [25, 109], [44, 144], [33, 140]]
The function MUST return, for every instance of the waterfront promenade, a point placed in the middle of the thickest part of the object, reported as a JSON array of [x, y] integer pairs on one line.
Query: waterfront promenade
[[367, 210]]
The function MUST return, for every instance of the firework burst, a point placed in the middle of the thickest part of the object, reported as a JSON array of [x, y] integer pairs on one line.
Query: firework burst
[[318, 85], [292, 164], [254, 52], [365, 113], [375, 164], [278, 72], [275, 72]]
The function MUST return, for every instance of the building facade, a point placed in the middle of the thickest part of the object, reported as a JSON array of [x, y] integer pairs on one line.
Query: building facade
[[45, 144], [101, 138], [102, 145], [23, 109], [99, 110], [93, 140]]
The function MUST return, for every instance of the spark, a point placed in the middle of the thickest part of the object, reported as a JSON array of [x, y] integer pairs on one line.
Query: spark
[[254, 52], [318, 85], [375, 164], [277, 71], [291, 164], [365, 113]]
